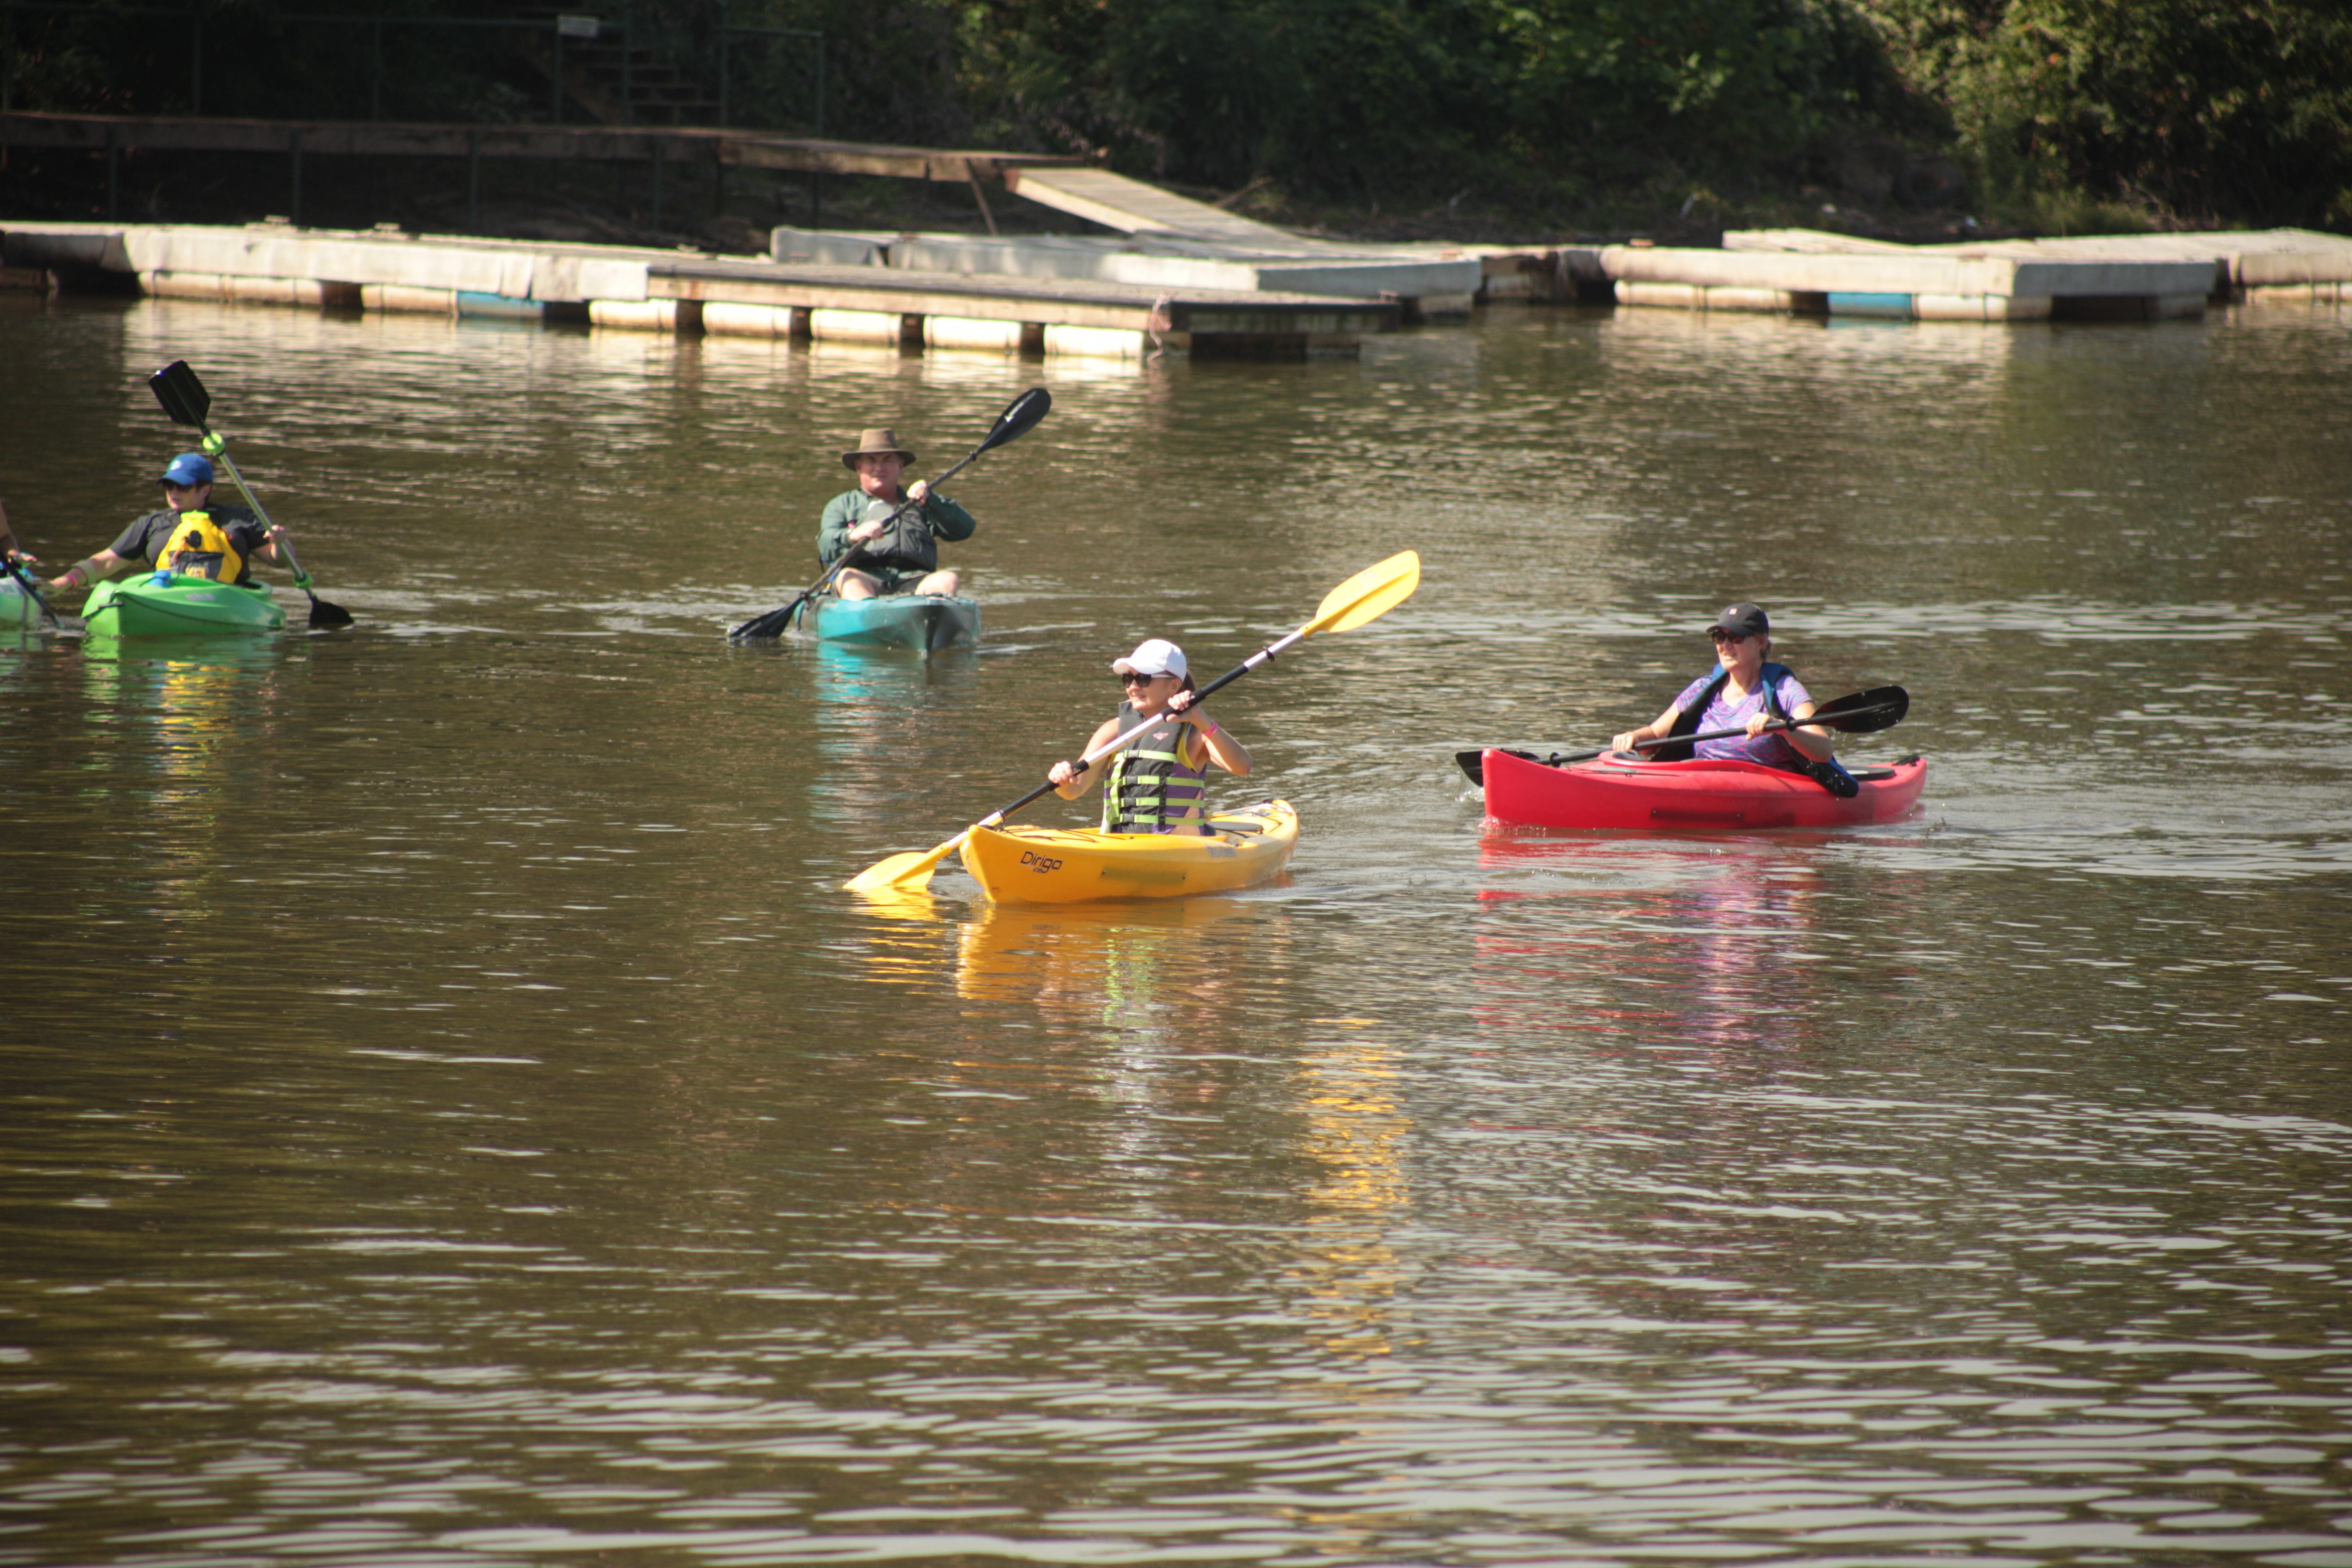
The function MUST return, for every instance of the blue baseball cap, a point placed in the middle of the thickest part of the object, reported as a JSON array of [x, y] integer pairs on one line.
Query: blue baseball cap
[[189, 468]]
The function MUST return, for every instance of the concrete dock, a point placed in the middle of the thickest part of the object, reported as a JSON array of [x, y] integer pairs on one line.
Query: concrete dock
[[2149, 276], [664, 290]]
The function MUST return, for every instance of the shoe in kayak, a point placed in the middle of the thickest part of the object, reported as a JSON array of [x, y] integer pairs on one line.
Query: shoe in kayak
[[1701, 795], [1069, 866], [925, 622], [161, 605]]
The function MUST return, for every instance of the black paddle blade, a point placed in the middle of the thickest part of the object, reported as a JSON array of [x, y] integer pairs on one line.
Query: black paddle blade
[[1018, 417], [184, 397], [327, 617], [1865, 712], [1473, 764], [774, 624]]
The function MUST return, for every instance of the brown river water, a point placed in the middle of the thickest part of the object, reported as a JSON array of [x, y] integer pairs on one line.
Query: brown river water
[[452, 1115]]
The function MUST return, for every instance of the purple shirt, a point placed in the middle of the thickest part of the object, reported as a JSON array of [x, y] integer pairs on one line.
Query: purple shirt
[[1773, 751]]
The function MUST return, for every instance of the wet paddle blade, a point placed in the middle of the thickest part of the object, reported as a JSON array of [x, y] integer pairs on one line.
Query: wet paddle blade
[[327, 617], [1865, 712], [1473, 764], [184, 397], [903, 873], [774, 624], [1368, 594], [1018, 418]]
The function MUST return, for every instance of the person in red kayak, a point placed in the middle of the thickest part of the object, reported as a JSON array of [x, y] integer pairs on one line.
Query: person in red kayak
[[1743, 689], [1156, 779]]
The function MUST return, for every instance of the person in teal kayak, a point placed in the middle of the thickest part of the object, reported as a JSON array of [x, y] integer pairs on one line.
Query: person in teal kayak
[[1156, 779], [187, 534], [1744, 690], [901, 557]]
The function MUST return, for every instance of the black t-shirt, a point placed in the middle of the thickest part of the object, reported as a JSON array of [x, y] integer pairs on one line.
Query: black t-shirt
[[145, 539]]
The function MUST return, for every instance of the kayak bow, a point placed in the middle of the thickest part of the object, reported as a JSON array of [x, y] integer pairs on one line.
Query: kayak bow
[[925, 622]]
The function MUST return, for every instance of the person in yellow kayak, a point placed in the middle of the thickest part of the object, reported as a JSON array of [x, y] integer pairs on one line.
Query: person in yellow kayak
[[901, 557], [1744, 692], [1155, 780], [187, 534]]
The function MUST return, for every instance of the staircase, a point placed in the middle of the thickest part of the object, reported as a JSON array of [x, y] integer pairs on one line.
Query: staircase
[[619, 83]]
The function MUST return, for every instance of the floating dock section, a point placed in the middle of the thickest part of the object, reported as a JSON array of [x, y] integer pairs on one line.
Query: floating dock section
[[657, 290], [2150, 277]]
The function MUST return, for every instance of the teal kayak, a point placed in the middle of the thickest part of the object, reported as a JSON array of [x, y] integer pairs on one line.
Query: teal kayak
[[925, 622], [163, 605]]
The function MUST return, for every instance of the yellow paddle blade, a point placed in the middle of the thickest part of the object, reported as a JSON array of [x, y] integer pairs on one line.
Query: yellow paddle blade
[[903, 873], [1368, 594]]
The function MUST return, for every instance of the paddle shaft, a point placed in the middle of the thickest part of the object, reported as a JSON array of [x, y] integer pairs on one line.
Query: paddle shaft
[[1830, 722]]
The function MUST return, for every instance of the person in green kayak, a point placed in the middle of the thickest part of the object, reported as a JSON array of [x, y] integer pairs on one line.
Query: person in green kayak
[[1156, 779], [1744, 690], [8, 546], [187, 534], [901, 557]]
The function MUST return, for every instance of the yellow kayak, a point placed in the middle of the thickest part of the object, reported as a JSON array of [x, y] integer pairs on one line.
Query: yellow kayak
[[1069, 866]]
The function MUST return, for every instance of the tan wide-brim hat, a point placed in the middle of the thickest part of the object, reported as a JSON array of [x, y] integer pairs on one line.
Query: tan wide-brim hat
[[876, 443]]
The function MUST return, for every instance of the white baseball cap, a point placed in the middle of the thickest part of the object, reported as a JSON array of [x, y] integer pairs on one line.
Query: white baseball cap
[[1153, 656]]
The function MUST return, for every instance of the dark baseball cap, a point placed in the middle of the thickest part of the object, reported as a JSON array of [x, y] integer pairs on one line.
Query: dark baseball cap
[[1743, 620]]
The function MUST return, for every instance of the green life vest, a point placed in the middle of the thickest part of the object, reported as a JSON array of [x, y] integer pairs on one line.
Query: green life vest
[[905, 545], [1152, 788]]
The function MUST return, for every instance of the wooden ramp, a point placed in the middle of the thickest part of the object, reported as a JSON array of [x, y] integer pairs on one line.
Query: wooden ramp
[[1132, 206]]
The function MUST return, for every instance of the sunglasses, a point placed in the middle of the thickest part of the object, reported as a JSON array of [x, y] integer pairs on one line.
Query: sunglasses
[[1137, 678], [1719, 635]]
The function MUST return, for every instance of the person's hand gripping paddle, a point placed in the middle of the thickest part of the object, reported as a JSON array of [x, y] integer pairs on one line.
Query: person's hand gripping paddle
[[1366, 597], [184, 397], [1019, 416]]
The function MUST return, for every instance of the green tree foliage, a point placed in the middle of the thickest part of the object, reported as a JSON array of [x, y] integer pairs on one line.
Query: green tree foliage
[[1341, 96], [2209, 110]]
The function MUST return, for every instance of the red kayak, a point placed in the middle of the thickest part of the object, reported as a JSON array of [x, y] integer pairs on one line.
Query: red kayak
[[1693, 796]]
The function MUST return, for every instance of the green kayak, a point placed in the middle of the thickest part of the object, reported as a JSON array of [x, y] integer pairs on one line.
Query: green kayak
[[925, 622], [165, 606]]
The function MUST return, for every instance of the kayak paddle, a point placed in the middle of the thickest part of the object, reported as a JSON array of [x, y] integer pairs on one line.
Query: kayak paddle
[[1366, 597], [1862, 714], [1019, 415], [25, 581], [184, 397]]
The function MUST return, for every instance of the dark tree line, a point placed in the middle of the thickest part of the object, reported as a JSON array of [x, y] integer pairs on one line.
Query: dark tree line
[[2190, 110]]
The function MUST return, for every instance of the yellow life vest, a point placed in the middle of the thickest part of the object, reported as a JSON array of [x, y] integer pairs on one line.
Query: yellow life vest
[[197, 548]]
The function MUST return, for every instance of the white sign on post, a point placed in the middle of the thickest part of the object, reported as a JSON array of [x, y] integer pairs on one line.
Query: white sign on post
[[576, 26]]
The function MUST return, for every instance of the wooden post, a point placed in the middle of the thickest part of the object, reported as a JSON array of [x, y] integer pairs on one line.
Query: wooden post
[[294, 165], [112, 158], [981, 196], [658, 174], [473, 181]]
